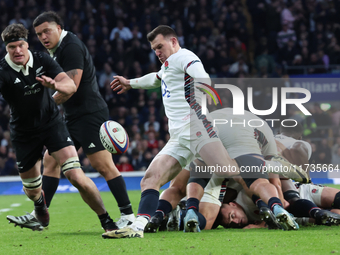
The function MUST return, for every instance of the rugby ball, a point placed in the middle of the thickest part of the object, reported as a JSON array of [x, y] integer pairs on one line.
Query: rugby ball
[[114, 137]]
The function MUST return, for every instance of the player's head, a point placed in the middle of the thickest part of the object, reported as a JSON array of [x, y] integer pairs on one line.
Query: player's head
[[292, 129], [48, 27], [15, 38], [164, 42], [233, 216]]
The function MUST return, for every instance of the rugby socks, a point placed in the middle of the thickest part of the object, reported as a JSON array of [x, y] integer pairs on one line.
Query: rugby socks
[[164, 207], [258, 202], [49, 186], [192, 203], [118, 189], [303, 208], [40, 201], [274, 201], [148, 203], [336, 202]]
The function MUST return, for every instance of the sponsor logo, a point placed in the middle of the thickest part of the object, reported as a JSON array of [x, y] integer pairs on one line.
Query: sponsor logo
[[32, 86], [92, 145], [17, 80], [38, 71], [69, 139]]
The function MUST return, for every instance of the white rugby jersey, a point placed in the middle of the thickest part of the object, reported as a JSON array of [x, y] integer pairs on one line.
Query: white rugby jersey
[[176, 75], [288, 142], [242, 139], [250, 209]]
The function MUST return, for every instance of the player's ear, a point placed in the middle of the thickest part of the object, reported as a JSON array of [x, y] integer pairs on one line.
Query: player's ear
[[232, 204]]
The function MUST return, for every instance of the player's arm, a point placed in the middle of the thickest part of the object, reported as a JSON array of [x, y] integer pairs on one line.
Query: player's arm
[[75, 75], [297, 155], [148, 81], [61, 83]]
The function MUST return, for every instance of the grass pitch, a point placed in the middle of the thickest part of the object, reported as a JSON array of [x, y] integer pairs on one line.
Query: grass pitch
[[75, 229]]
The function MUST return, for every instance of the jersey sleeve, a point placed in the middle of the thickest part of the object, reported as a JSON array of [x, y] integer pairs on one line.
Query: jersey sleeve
[[73, 57], [195, 69], [52, 67]]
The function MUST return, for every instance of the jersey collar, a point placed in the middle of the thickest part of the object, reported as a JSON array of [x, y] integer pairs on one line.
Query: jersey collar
[[62, 35], [19, 68]]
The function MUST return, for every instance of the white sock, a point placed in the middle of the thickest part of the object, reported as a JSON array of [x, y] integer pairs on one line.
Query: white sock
[[139, 223]]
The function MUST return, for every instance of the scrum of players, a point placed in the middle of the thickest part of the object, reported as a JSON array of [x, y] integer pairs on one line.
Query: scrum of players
[[229, 203]]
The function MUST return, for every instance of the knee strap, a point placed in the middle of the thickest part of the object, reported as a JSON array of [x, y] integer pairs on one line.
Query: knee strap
[[32, 183], [290, 194], [70, 163]]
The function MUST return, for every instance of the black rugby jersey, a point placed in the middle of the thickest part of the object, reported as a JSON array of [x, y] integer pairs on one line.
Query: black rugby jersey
[[32, 107], [73, 54]]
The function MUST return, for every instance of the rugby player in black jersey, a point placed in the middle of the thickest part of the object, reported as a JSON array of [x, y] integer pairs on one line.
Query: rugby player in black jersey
[[35, 122], [85, 110]]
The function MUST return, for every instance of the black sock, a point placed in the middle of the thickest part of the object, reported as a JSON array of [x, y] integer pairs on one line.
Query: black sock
[[49, 186], [258, 202], [164, 207], [274, 201], [303, 208], [118, 189], [148, 203], [192, 203], [40, 201]]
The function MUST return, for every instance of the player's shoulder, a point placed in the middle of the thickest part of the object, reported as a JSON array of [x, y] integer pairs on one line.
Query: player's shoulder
[[3, 64], [70, 39], [40, 55]]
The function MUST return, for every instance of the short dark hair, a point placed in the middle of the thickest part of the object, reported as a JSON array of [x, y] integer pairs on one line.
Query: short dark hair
[[14, 31], [161, 30], [49, 16], [289, 129]]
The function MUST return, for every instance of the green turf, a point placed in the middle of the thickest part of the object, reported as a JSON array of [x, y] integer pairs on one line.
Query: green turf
[[75, 229]]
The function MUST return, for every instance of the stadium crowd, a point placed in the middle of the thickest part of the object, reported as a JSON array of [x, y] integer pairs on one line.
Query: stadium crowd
[[234, 39]]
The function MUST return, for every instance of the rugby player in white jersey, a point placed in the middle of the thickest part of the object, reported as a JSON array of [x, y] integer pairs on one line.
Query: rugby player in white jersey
[[180, 67], [191, 132], [296, 151]]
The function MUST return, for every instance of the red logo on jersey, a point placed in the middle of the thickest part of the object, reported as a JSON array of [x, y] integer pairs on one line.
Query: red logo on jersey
[[198, 134], [314, 191], [166, 65]]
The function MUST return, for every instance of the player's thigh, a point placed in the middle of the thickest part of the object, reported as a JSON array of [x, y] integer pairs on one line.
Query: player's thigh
[[28, 150], [181, 180], [34, 172], [327, 196], [101, 161], [85, 131], [162, 169], [59, 143]]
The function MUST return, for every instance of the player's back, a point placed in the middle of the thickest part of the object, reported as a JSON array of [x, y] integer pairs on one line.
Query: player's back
[[244, 134]]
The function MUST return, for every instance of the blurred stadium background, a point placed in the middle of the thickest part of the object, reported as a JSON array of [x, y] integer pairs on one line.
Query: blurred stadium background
[[281, 39]]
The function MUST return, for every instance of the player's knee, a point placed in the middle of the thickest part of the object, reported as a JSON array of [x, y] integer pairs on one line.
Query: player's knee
[[32, 186], [200, 181], [70, 164], [291, 196]]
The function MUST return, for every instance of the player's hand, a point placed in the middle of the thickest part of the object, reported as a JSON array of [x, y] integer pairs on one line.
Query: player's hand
[[120, 84], [46, 81]]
